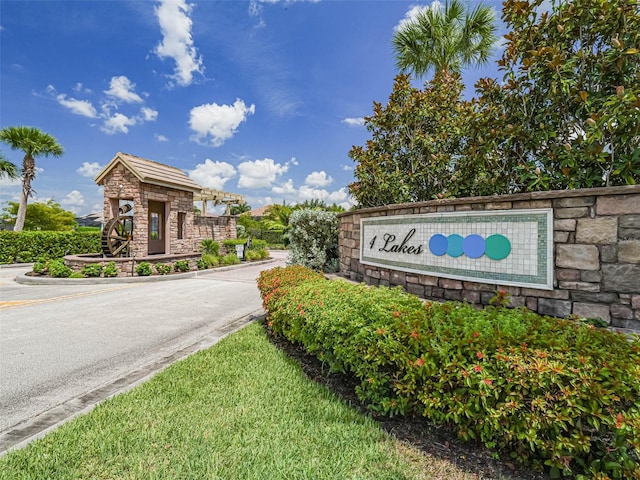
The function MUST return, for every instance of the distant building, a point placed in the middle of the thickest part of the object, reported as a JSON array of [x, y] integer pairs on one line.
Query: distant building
[[90, 220]]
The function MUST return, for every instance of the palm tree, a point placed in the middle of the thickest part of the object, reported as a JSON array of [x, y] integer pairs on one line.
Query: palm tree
[[277, 217], [445, 40], [8, 169], [33, 143], [240, 209]]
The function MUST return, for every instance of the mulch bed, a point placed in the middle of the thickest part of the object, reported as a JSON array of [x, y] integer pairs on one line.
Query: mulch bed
[[439, 442]]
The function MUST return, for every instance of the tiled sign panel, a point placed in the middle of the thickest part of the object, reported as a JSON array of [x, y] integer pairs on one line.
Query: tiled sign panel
[[506, 247]]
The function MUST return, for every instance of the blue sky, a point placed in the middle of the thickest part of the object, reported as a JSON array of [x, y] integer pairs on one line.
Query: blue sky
[[262, 98]]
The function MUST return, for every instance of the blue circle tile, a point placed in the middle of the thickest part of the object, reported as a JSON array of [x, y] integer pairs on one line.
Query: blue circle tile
[[438, 244], [473, 246]]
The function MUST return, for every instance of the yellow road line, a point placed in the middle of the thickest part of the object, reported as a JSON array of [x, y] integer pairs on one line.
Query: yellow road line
[[18, 303]]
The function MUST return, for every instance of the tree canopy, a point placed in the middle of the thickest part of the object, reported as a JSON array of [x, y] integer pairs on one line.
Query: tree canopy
[[8, 169], [445, 39], [41, 216], [33, 143], [565, 115]]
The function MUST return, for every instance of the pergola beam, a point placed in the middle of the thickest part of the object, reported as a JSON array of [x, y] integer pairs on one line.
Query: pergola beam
[[218, 197]]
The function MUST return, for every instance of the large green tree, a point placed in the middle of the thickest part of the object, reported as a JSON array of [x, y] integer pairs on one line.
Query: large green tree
[[41, 216], [565, 115], [570, 94], [240, 208], [445, 39], [417, 140], [34, 143]]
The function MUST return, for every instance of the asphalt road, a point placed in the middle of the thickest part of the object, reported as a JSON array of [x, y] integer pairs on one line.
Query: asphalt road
[[64, 348]]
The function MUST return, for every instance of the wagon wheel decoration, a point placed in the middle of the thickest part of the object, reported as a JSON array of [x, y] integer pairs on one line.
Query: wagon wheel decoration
[[116, 236]]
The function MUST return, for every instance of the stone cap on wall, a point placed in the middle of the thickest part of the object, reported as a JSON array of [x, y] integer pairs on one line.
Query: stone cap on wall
[[150, 172], [513, 197]]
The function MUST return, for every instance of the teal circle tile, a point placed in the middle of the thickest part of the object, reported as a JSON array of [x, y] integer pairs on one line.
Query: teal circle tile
[[438, 244], [473, 246], [454, 247], [498, 247]]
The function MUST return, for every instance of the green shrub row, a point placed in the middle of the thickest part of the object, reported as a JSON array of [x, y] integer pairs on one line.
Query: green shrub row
[[554, 394], [256, 244], [28, 246], [212, 261], [58, 269]]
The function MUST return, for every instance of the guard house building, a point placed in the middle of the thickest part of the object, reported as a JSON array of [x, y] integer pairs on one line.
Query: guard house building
[[158, 201]]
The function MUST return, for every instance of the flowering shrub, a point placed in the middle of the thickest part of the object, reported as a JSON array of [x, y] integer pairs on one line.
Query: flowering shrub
[[58, 269], [163, 268], [144, 269], [181, 266], [110, 270], [92, 270], [276, 282], [552, 393]]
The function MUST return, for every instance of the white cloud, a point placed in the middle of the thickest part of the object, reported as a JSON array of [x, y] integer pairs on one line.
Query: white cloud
[[78, 107], [339, 197], [218, 121], [413, 12], [177, 43], [260, 173], [9, 182], [123, 89], [89, 169], [118, 123], [212, 174], [161, 138], [309, 193], [255, 6], [354, 122], [286, 188], [79, 88], [318, 179], [73, 200], [347, 168], [148, 114]]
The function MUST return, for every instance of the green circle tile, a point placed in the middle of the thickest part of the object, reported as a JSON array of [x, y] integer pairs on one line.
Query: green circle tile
[[498, 247]]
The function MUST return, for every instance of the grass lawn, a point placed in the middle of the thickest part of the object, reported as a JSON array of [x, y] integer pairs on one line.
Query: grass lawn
[[240, 410]]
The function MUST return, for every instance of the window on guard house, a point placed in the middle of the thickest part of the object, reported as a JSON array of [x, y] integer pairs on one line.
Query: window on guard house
[[182, 217]]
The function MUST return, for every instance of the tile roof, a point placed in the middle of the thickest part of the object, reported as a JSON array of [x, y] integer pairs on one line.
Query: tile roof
[[148, 171], [259, 212]]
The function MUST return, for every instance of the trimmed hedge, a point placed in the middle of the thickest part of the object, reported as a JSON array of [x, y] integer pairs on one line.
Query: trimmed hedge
[[28, 246], [551, 393], [256, 244]]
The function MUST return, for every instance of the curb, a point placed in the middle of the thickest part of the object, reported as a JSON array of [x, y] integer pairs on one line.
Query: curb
[[37, 427], [25, 279]]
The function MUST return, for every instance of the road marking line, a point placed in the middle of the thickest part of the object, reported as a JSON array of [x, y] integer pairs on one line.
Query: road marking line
[[18, 303]]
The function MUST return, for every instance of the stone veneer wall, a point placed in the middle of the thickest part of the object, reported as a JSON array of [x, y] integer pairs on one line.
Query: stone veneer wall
[[218, 228], [596, 254]]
